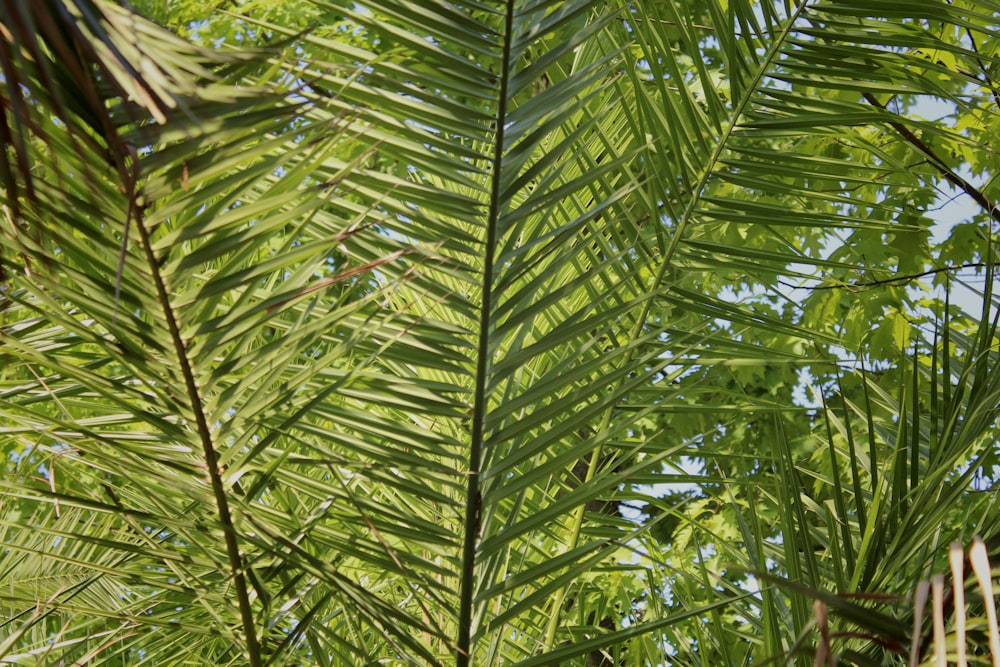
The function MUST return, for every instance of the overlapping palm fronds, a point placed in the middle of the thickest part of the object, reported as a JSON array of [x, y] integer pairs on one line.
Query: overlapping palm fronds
[[358, 347]]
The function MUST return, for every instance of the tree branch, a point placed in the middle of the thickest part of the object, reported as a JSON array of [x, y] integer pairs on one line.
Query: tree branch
[[938, 163], [889, 281]]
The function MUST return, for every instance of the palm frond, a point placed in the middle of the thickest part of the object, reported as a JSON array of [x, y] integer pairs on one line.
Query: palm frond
[[362, 341]]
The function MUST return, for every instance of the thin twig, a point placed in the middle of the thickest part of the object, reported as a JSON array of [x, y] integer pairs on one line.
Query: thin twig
[[938, 163], [889, 281]]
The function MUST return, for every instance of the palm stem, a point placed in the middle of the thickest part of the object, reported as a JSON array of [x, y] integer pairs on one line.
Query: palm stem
[[208, 446], [474, 509]]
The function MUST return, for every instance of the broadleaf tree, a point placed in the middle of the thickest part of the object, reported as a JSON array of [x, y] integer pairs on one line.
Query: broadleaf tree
[[491, 333]]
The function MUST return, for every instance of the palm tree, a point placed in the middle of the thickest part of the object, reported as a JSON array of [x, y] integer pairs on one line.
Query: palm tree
[[373, 341]]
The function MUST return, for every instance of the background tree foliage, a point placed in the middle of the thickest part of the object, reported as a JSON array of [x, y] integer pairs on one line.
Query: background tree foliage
[[502, 333]]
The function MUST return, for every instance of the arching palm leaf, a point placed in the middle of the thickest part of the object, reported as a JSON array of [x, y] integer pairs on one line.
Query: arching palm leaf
[[403, 315]]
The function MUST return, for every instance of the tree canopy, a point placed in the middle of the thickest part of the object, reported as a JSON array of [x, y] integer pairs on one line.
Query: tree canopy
[[493, 333]]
